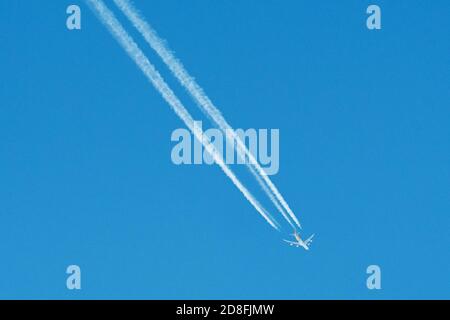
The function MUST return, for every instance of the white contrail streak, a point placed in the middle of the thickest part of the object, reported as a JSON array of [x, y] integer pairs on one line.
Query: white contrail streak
[[205, 104], [136, 54]]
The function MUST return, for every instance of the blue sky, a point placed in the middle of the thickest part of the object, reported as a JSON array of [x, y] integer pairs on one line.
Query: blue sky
[[87, 179]]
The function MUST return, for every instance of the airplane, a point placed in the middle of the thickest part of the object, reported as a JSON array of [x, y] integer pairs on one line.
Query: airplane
[[300, 242]]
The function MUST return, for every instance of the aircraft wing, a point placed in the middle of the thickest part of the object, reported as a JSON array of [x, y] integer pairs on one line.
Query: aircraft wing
[[309, 240], [291, 242]]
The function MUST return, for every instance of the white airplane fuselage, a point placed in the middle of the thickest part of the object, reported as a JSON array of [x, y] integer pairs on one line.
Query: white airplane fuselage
[[299, 242]]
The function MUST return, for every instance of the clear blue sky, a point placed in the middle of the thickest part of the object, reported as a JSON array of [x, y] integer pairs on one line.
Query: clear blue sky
[[364, 119]]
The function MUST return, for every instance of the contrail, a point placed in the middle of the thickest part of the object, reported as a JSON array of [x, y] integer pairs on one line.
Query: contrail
[[136, 54], [205, 104]]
